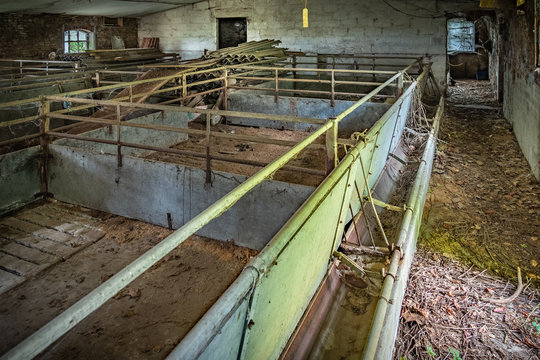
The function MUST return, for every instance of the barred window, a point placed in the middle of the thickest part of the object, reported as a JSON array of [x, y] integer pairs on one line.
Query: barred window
[[460, 35], [78, 41]]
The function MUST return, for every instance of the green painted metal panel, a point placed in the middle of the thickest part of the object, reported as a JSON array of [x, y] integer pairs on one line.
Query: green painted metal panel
[[285, 290], [226, 344]]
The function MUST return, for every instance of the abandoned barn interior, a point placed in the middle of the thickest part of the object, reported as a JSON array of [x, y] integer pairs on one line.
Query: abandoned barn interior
[[233, 179]]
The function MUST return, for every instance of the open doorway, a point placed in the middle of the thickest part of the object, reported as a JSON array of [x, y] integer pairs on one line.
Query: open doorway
[[473, 50], [231, 32]]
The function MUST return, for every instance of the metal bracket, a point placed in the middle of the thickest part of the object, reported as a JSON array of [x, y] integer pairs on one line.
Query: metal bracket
[[403, 161], [398, 158], [350, 263], [382, 204], [356, 136]]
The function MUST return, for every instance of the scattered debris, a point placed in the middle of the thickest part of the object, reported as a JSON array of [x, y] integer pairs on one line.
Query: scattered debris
[[485, 214], [444, 309]]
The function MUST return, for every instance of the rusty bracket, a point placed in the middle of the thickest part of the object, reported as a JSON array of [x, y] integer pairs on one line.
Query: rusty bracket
[[382, 204]]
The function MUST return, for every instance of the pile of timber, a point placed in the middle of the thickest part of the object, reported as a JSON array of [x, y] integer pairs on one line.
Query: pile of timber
[[112, 55], [249, 52]]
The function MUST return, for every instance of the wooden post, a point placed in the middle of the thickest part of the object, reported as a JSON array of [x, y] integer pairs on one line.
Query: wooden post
[[98, 79], [331, 146]]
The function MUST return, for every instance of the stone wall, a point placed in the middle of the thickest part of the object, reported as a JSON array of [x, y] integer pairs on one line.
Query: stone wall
[[25, 36]]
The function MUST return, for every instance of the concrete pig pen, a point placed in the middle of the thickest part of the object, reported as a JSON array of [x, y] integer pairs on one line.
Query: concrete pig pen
[[170, 194]]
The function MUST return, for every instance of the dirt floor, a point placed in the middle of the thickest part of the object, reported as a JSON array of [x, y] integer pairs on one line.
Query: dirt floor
[[483, 209], [143, 321], [245, 150]]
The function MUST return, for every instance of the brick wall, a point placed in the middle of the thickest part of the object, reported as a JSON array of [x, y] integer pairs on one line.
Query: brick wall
[[338, 26], [35, 36]]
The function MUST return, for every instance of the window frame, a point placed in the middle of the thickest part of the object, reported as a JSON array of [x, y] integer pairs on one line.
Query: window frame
[[74, 37], [467, 37]]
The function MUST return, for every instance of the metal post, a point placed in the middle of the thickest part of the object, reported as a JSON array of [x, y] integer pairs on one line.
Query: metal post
[[224, 105], [277, 86], [130, 93], [208, 158], [331, 146], [294, 73], [184, 87], [333, 86], [399, 85], [118, 146], [98, 78], [44, 127]]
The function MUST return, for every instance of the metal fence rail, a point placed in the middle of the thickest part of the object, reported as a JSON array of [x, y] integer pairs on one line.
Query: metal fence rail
[[335, 192]]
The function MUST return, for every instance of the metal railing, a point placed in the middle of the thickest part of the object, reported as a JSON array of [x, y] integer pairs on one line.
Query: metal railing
[[328, 129], [219, 79]]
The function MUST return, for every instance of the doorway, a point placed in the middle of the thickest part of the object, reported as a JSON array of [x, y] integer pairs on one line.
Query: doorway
[[231, 32]]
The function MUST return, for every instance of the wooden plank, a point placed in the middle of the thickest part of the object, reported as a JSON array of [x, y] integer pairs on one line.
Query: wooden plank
[[29, 254], [48, 246], [58, 236], [18, 266], [9, 280], [38, 220], [87, 234], [20, 225], [65, 216], [73, 234], [41, 232], [10, 233]]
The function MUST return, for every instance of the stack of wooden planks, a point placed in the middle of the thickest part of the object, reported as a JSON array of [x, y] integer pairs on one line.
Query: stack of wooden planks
[[112, 55]]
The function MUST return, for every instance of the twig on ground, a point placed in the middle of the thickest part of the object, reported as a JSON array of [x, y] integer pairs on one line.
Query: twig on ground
[[510, 298]]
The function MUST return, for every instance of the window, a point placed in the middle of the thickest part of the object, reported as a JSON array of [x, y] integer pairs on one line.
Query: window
[[460, 35], [77, 41], [231, 32], [107, 21]]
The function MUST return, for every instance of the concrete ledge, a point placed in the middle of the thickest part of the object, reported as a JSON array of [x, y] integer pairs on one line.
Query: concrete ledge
[[244, 100], [135, 135], [149, 190]]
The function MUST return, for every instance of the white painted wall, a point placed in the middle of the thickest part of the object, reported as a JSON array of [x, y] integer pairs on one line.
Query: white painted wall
[[336, 26], [522, 109]]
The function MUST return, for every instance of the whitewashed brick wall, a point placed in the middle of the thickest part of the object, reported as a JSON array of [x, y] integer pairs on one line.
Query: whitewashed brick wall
[[336, 26]]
